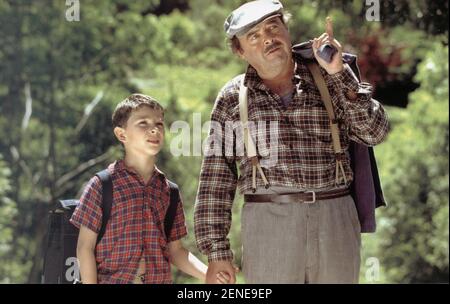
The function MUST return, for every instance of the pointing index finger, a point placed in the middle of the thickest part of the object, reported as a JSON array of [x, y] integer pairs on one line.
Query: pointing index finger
[[329, 28]]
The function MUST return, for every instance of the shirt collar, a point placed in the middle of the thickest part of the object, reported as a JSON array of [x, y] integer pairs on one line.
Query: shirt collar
[[252, 79], [254, 82], [120, 166]]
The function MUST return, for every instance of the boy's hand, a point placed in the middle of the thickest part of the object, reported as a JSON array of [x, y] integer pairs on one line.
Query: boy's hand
[[226, 270], [224, 278]]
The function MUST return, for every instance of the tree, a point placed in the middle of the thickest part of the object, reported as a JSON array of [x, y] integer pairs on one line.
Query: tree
[[414, 228], [61, 80], [10, 269]]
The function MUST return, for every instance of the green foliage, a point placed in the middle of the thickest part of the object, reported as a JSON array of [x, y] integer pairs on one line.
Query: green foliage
[[180, 57], [413, 237], [11, 270]]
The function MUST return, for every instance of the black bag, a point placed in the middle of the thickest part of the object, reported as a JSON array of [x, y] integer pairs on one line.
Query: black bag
[[60, 261]]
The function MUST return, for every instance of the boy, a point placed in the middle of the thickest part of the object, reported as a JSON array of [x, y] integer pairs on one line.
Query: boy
[[134, 248]]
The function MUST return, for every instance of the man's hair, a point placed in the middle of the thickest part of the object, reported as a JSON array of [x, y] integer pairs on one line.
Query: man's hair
[[235, 46], [124, 109]]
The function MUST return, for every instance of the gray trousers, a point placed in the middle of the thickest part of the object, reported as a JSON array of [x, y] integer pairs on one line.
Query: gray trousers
[[301, 243]]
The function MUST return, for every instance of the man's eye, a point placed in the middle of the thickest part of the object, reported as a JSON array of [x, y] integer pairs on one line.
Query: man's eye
[[253, 37]]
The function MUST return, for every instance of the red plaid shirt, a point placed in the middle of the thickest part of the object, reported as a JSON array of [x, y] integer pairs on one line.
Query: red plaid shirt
[[135, 228]]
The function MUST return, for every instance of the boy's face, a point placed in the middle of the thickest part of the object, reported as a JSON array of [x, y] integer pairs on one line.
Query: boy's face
[[143, 133]]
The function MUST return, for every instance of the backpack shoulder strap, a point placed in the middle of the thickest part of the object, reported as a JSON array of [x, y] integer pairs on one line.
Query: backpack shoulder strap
[[107, 198], [172, 209]]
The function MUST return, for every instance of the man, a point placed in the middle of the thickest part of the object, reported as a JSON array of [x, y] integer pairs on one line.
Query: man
[[299, 222]]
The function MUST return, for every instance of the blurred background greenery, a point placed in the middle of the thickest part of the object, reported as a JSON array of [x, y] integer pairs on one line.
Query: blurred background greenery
[[60, 81]]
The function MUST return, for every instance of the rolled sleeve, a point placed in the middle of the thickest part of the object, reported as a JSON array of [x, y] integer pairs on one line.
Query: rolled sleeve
[[222, 255], [89, 213], [346, 79], [365, 117]]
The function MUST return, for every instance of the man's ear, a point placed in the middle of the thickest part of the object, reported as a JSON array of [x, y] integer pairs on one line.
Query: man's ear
[[240, 53], [120, 134]]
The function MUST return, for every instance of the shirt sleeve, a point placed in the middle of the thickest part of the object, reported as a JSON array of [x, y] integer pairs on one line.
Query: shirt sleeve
[[217, 187], [179, 229], [365, 117], [89, 213]]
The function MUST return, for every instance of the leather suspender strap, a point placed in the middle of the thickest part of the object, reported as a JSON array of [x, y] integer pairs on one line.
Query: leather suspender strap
[[325, 94], [248, 141], [243, 111]]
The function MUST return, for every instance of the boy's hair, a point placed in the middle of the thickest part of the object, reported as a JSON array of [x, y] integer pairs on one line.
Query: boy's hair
[[123, 110]]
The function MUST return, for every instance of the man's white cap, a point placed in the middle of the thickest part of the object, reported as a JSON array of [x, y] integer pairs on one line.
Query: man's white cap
[[249, 14]]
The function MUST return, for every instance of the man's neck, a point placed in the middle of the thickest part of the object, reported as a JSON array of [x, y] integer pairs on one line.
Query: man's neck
[[281, 84], [142, 166]]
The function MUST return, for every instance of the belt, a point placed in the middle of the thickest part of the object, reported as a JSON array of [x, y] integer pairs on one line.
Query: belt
[[307, 197]]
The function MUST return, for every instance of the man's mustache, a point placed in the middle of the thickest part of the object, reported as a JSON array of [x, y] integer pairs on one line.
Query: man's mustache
[[272, 47]]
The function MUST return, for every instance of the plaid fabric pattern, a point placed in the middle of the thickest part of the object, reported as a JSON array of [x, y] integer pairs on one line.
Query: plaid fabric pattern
[[305, 155], [135, 228]]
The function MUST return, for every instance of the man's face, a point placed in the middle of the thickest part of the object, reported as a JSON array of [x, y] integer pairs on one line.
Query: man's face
[[144, 132], [267, 47]]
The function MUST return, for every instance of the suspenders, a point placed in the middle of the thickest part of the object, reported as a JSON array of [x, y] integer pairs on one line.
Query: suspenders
[[250, 145], [325, 94], [248, 141]]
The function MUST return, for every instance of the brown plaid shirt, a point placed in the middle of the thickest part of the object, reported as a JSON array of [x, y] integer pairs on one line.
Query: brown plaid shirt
[[305, 155]]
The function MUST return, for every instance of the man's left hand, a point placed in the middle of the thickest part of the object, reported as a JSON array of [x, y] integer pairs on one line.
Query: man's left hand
[[336, 65]]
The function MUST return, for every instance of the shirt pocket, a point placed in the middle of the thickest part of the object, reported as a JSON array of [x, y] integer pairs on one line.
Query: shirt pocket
[[121, 216], [311, 95], [122, 232], [312, 118]]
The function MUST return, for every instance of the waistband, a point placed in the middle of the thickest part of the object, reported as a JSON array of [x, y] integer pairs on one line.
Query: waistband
[[307, 197]]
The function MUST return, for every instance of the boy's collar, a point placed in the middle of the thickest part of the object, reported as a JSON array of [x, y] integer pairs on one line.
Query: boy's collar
[[120, 166]]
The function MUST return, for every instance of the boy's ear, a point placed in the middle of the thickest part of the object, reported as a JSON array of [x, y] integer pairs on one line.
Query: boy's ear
[[120, 134]]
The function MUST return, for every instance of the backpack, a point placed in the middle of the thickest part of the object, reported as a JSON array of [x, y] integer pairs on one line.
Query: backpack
[[60, 265]]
